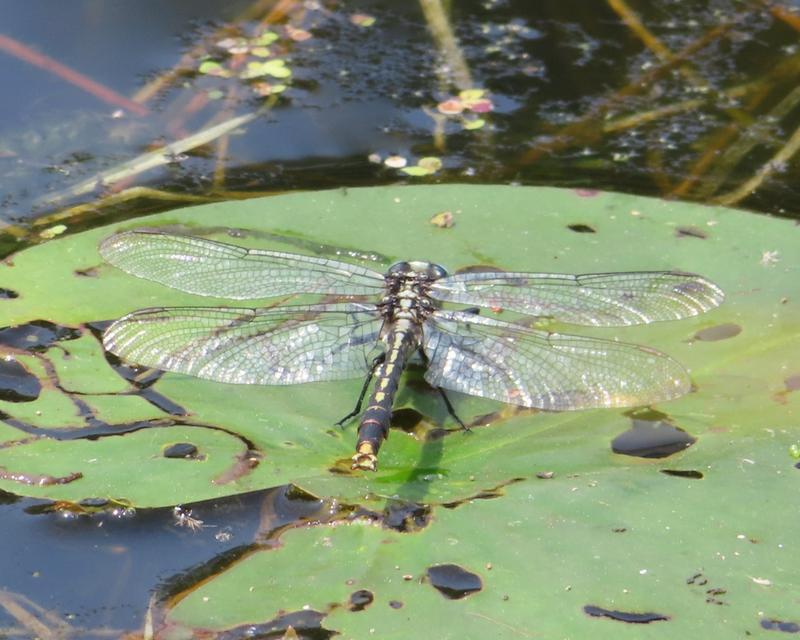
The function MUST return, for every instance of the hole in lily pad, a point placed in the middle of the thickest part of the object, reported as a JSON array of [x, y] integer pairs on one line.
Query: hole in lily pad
[[453, 581], [780, 625], [395, 604], [406, 517], [624, 616], [17, 384], [36, 336], [306, 624], [181, 450], [360, 600], [651, 436], [8, 293]]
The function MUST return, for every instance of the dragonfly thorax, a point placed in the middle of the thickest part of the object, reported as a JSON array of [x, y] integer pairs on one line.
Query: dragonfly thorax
[[407, 291]]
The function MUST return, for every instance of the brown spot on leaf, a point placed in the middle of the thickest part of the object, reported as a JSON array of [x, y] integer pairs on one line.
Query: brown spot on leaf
[[718, 332], [690, 232], [624, 616], [38, 480], [683, 473]]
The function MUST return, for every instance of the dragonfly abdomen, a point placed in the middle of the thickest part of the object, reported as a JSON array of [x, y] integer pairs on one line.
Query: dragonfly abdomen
[[374, 426]]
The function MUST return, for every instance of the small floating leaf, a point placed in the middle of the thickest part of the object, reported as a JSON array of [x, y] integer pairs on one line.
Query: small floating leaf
[[362, 20], [298, 35], [276, 68], [471, 95], [52, 232], [450, 107], [213, 68], [266, 38], [233, 45], [473, 123], [481, 106], [267, 89], [431, 163], [260, 52], [395, 162], [416, 170]]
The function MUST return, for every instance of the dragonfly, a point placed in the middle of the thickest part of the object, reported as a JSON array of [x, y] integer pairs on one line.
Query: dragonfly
[[372, 324]]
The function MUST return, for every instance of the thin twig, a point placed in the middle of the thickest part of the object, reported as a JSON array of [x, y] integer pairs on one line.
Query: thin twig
[[784, 14], [643, 117], [787, 68], [282, 9], [728, 161], [150, 160], [775, 163], [19, 50], [631, 19], [586, 128], [447, 43], [36, 620]]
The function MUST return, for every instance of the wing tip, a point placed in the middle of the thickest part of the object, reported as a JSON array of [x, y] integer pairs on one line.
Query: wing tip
[[705, 293]]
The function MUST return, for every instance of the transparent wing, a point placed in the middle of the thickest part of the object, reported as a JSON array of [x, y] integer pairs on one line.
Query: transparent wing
[[209, 268], [598, 299], [514, 364], [280, 345]]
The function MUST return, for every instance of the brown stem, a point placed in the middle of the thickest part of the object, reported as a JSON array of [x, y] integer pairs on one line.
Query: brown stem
[[19, 50]]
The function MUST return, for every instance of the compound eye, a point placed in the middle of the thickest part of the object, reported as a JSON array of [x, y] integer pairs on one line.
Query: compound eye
[[399, 267], [436, 271]]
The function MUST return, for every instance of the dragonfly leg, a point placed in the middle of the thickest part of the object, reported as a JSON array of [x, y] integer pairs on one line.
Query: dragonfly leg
[[378, 361], [442, 392], [450, 409]]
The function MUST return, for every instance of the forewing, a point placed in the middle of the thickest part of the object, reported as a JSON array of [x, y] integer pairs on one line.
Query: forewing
[[514, 364], [280, 345], [598, 299], [209, 268]]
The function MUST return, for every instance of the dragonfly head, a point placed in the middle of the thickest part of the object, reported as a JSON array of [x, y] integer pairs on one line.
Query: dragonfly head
[[428, 270]]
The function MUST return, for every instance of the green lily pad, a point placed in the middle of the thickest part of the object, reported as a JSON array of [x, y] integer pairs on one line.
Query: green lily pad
[[742, 399], [573, 556]]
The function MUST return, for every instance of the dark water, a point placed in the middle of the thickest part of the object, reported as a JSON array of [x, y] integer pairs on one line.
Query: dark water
[[578, 100], [563, 76]]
